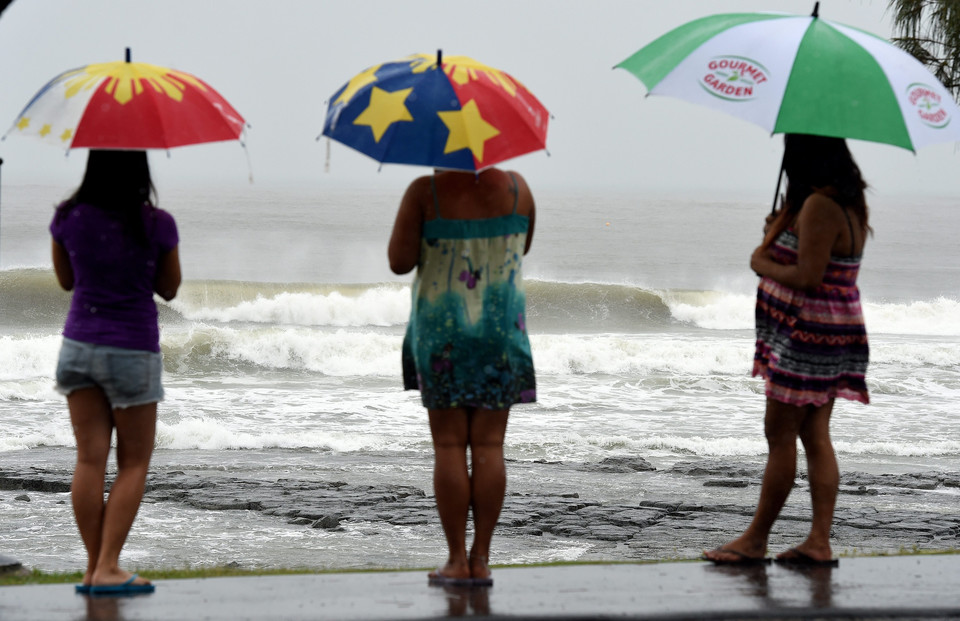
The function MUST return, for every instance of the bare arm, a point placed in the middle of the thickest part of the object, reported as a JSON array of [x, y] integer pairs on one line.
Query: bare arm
[[818, 226], [404, 248], [168, 277], [525, 205], [62, 267]]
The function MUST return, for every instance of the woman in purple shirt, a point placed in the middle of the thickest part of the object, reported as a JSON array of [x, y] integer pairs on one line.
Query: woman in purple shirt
[[113, 248]]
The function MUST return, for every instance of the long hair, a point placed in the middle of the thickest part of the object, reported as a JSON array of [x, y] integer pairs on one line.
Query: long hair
[[119, 182], [819, 163]]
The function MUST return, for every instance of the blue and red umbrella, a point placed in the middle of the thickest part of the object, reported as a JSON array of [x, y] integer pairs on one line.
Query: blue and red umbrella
[[451, 113]]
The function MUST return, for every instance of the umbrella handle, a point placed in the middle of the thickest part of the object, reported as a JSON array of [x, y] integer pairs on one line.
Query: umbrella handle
[[439, 59]]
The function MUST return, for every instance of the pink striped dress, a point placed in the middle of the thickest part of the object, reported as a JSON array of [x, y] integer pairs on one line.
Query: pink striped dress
[[811, 346]]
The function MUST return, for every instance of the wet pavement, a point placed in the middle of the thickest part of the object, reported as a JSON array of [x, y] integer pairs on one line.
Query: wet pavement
[[914, 587]]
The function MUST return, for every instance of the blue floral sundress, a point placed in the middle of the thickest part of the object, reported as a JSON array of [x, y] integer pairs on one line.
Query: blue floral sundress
[[466, 344]]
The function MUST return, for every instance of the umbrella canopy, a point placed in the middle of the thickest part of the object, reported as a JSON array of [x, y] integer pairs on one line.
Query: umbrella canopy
[[452, 113], [800, 74], [126, 105]]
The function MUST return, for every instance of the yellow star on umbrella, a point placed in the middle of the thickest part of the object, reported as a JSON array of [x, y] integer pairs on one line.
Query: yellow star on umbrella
[[468, 130], [384, 110], [357, 82]]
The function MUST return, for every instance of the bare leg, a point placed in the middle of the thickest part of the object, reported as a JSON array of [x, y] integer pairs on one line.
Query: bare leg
[[136, 430], [488, 482], [92, 428], [451, 484], [824, 477], [781, 425]]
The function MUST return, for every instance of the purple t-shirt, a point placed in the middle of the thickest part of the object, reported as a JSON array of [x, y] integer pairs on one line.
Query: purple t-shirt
[[113, 275]]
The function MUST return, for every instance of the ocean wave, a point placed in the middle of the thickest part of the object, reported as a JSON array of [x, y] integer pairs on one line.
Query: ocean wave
[[27, 362], [31, 297], [617, 354], [210, 434], [303, 305], [25, 358], [207, 434], [216, 350]]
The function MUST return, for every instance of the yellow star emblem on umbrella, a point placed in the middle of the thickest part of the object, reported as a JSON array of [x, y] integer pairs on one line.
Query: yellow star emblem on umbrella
[[468, 130], [384, 110], [357, 82]]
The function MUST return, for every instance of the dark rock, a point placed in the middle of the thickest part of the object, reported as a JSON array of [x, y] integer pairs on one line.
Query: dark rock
[[301, 521], [8, 564], [621, 464], [863, 490], [717, 468], [725, 483], [22, 497], [327, 522]]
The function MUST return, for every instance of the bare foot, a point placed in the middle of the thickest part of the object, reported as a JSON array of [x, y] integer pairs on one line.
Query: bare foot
[[806, 552], [479, 566], [449, 570], [738, 550]]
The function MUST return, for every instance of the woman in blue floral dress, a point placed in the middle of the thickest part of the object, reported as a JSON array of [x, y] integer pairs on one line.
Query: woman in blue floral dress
[[466, 349]]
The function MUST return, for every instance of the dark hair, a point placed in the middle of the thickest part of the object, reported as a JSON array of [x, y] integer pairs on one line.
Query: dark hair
[[820, 163], [117, 181]]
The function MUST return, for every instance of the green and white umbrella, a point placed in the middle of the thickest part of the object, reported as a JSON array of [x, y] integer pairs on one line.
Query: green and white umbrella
[[800, 74]]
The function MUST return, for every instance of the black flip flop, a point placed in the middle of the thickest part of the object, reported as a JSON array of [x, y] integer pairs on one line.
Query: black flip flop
[[801, 559]]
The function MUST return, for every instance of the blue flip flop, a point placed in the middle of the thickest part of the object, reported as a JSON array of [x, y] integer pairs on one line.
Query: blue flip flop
[[127, 588]]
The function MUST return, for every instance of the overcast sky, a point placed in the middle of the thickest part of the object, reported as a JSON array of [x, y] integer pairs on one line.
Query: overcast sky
[[278, 62]]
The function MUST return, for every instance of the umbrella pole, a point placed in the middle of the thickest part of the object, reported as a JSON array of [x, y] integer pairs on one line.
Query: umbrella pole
[[776, 193]]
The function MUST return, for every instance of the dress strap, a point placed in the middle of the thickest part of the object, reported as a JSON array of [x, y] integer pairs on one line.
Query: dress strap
[[853, 239], [436, 201], [516, 193]]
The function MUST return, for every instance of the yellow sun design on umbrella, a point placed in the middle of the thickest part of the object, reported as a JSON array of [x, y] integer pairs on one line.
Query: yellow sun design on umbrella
[[126, 80]]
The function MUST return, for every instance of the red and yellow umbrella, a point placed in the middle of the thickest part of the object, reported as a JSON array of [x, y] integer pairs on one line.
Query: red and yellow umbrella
[[127, 105]]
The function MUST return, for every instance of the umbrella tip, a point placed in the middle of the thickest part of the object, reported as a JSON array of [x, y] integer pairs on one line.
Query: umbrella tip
[[127, 55], [816, 10], [439, 58]]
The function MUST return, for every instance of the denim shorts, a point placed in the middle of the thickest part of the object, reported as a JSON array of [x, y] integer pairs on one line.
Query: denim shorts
[[128, 377]]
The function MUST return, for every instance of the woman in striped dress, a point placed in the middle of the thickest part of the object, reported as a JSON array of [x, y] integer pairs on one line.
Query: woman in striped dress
[[811, 342]]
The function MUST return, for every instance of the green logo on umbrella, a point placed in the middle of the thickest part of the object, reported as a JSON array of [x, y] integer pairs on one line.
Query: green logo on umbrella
[[734, 78], [927, 103]]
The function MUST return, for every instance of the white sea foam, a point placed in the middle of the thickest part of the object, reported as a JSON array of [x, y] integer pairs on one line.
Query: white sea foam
[[377, 306], [339, 353], [939, 317], [28, 357], [715, 310], [640, 354]]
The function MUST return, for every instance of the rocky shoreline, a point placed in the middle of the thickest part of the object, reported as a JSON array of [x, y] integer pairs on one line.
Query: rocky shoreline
[[875, 514]]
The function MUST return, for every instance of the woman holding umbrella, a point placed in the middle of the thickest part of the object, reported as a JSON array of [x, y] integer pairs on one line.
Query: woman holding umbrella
[[811, 342], [466, 347], [113, 248]]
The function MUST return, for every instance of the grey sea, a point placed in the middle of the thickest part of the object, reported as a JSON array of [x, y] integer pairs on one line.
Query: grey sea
[[285, 439]]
